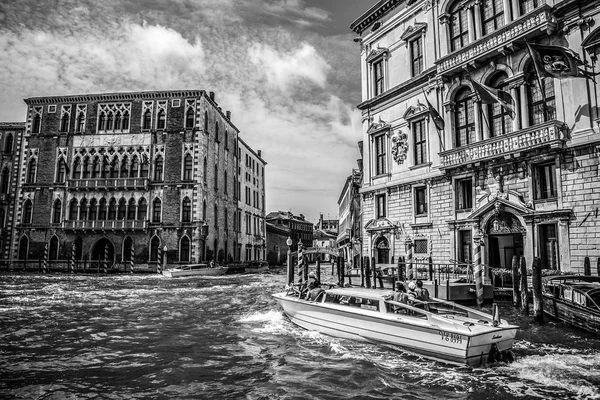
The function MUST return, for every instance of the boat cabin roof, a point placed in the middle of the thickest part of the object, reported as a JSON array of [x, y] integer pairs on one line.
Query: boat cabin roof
[[361, 292]]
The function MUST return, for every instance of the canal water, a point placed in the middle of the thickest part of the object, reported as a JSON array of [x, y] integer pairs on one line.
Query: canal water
[[149, 337]]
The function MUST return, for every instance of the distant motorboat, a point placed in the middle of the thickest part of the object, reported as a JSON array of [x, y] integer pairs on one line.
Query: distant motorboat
[[436, 329], [194, 270], [574, 300], [256, 267]]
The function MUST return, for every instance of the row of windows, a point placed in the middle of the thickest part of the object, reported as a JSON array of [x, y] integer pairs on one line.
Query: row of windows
[[543, 182]]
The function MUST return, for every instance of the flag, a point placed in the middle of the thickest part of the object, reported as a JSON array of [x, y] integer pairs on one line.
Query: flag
[[438, 121], [557, 62], [489, 95]]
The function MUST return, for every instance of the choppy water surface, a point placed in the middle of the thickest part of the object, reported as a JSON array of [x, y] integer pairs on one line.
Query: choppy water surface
[[148, 337]]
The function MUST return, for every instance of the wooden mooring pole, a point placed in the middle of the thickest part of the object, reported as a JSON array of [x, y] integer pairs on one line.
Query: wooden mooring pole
[[587, 267], [374, 271], [536, 281], [367, 271], [515, 282], [524, 294]]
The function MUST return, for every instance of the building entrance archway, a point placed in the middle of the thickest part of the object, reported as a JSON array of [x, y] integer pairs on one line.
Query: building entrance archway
[[382, 251], [505, 236], [100, 248]]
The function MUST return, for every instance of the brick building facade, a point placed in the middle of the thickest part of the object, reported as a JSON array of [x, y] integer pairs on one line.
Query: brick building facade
[[488, 181], [102, 174]]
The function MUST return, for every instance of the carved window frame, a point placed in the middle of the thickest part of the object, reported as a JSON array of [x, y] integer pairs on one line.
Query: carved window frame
[[377, 57]]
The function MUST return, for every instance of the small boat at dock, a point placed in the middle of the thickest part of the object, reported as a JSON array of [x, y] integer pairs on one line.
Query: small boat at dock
[[436, 328], [574, 300], [194, 270]]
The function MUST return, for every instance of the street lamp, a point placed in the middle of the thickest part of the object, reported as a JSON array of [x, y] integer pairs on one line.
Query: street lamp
[[290, 266]]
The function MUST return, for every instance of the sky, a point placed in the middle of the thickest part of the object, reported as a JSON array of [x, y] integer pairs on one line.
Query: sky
[[287, 69]]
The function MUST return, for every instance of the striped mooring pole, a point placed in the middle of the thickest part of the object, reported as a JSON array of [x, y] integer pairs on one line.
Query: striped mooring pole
[[106, 259], [300, 261], [159, 259], [131, 259], [409, 255], [72, 264], [45, 265], [478, 271]]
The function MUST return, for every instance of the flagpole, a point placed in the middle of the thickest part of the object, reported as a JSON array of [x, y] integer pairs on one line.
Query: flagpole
[[539, 79], [434, 124]]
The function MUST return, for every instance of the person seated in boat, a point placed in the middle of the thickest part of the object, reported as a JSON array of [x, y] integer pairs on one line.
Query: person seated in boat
[[412, 294], [421, 292], [314, 287], [400, 294]]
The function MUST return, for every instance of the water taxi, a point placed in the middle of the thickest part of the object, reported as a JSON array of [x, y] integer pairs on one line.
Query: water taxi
[[194, 270], [436, 328], [256, 267], [573, 299]]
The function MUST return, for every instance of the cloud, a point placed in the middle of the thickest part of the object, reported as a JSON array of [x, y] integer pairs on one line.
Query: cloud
[[286, 69], [296, 12]]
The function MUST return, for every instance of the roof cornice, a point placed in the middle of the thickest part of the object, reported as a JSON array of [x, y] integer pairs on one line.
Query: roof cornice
[[373, 14]]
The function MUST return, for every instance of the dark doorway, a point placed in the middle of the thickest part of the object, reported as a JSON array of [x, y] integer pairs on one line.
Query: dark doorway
[[383, 251], [100, 249], [502, 248]]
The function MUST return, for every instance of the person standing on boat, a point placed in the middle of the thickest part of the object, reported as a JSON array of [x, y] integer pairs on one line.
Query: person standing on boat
[[420, 292]]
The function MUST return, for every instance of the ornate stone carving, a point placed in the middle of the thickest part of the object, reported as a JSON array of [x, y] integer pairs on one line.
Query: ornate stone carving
[[399, 146]]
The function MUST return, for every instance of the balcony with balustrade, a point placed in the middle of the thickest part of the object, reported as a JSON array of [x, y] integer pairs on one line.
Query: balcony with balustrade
[[108, 184], [547, 135], [105, 225]]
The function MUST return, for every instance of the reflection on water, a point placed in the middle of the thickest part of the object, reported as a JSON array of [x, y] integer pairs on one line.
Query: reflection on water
[[147, 337]]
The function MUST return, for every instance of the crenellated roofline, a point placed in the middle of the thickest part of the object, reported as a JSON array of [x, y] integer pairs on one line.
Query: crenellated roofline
[[123, 96]]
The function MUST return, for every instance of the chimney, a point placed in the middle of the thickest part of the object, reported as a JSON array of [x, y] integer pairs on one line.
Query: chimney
[[228, 113], [360, 147], [259, 153], [212, 96], [360, 164]]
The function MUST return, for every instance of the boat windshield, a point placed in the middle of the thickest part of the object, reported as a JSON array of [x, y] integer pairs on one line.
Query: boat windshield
[[353, 301], [595, 296]]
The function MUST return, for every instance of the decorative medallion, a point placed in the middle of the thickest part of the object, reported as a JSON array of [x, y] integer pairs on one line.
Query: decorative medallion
[[399, 146]]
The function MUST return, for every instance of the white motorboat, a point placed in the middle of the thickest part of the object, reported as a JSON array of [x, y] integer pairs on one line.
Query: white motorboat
[[194, 270], [436, 329]]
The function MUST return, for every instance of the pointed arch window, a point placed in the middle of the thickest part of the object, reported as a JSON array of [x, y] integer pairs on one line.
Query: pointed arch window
[[64, 122], [86, 168], [122, 210], [36, 123], [23, 248], [5, 180], [184, 249], [189, 118], [154, 245], [127, 247], [73, 210], [161, 120], [187, 167], [186, 210], [83, 209], [93, 212], [95, 168], [204, 210], [131, 209], [217, 132], [156, 210], [81, 122], [147, 123], [142, 209], [225, 183], [459, 31], [2, 215], [27, 211], [110, 122], [76, 168], [124, 167], [145, 170], [205, 171], [125, 123], [102, 122], [57, 212], [31, 171], [112, 209], [464, 122], [133, 171], [118, 121], [113, 169], [61, 171], [158, 169], [216, 214], [105, 167], [206, 122], [53, 253], [8, 144], [102, 209], [226, 139]]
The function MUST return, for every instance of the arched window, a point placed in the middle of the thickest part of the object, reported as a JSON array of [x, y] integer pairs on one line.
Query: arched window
[[61, 171], [216, 177], [204, 210], [216, 131], [113, 169], [76, 168], [161, 120], [204, 171], [189, 118], [73, 208], [187, 167], [216, 214], [156, 210], [78, 248], [118, 121], [492, 15], [36, 123], [64, 122], [102, 209], [122, 210], [498, 117], [86, 168], [2, 215], [112, 209], [124, 167], [226, 220], [186, 210], [53, 253], [206, 122], [225, 183], [127, 247], [464, 122], [131, 209], [226, 140], [5, 180], [142, 209], [147, 123], [535, 99], [57, 212], [154, 245], [23, 247], [31, 171], [459, 32], [8, 144], [93, 212], [80, 122], [83, 209], [27, 211], [158, 169], [133, 171], [102, 122], [145, 169], [125, 124], [184, 249], [95, 167], [105, 167], [109, 122]]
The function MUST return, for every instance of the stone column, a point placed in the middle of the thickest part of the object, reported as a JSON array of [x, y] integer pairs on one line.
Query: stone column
[[516, 123], [507, 12], [485, 109], [478, 121], [471, 25], [478, 23], [524, 110]]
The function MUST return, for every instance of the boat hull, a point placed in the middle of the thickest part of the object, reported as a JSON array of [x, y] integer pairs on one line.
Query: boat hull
[[418, 336], [572, 314], [178, 273]]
